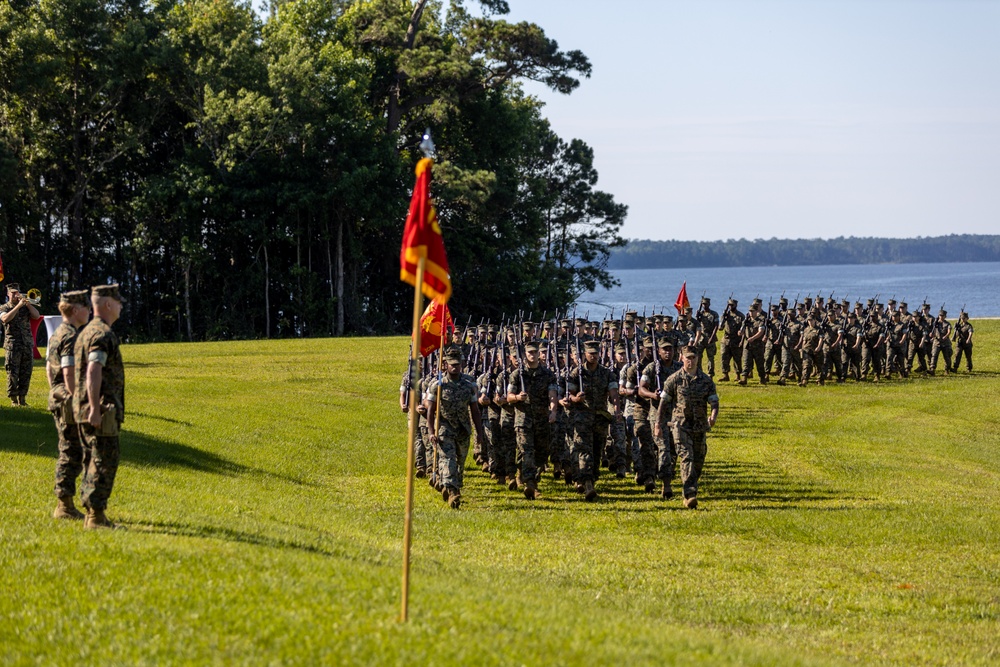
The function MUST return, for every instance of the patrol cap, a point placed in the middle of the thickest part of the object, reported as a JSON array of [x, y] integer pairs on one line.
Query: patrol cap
[[77, 297], [690, 352], [857, 304], [757, 301], [13, 287], [453, 353], [852, 315], [527, 325], [629, 320], [801, 306], [896, 313], [566, 324], [733, 302], [844, 303], [687, 310], [658, 319], [580, 321], [619, 346], [482, 328], [705, 300], [547, 326], [902, 304], [664, 343], [531, 346], [808, 301], [783, 302], [492, 328], [668, 318], [613, 325], [647, 343], [943, 312], [592, 346], [107, 290], [632, 313], [892, 302], [870, 302]]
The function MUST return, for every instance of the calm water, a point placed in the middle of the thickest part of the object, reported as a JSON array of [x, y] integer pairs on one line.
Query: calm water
[[977, 285]]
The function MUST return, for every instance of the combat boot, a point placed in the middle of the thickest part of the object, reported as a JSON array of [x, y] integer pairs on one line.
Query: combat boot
[[667, 492], [725, 377], [650, 485], [781, 382], [531, 491], [742, 381], [20, 401], [96, 520], [446, 493], [691, 503], [512, 483], [456, 499], [65, 509], [14, 403], [421, 473], [589, 492], [556, 470]]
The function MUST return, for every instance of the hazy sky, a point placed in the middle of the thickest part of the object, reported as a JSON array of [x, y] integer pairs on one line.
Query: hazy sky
[[795, 119]]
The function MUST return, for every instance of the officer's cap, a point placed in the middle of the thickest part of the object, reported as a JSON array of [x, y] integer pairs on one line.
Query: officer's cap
[[77, 297], [107, 290]]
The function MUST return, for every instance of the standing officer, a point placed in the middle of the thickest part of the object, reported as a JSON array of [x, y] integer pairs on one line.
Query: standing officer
[[708, 321], [60, 366], [99, 402], [731, 324], [753, 344], [941, 342], [18, 343]]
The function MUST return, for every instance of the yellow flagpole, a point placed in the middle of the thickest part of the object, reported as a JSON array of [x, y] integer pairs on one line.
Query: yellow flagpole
[[418, 306]]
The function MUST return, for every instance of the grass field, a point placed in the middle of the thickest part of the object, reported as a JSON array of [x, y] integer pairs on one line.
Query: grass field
[[261, 499]]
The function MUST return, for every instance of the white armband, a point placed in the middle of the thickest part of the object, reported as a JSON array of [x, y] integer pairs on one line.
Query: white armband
[[98, 356]]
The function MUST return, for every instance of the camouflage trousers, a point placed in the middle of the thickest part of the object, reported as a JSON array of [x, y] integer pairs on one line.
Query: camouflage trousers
[[69, 465], [811, 361], [852, 362], [646, 468], [941, 347], [731, 353], [615, 449], [491, 429], [833, 363], [18, 364], [967, 349], [692, 447], [871, 359], [453, 449], [505, 455], [666, 455], [631, 442], [589, 433], [100, 466], [754, 355], [708, 351], [532, 448], [791, 363], [919, 353], [419, 446], [896, 360], [557, 439], [772, 357]]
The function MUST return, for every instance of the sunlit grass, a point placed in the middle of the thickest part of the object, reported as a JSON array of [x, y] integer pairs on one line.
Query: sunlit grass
[[261, 496]]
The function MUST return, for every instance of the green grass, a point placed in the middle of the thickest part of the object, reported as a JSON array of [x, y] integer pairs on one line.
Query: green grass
[[261, 493]]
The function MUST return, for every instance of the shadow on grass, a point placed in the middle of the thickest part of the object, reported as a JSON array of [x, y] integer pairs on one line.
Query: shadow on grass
[[32, 431], [254, 539], [742, 481]]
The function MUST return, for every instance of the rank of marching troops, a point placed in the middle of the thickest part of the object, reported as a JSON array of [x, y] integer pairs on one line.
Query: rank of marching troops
[[572, 398]]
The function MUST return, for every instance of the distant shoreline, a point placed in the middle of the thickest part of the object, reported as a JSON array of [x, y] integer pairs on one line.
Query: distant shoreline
[[860, 251]]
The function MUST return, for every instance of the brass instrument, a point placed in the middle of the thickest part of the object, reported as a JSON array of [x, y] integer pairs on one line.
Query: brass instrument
[[34, 296]]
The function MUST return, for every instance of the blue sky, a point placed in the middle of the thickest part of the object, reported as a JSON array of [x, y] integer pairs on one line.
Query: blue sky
[[718, 119]]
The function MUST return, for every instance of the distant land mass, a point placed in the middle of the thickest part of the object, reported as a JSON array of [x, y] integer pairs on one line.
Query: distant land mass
[[645, 254]]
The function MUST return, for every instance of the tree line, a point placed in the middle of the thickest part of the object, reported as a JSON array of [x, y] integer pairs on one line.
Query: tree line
[[644, 254], [247, 174]]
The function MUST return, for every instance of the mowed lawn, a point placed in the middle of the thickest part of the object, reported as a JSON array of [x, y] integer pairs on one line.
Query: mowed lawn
[[261, 503]]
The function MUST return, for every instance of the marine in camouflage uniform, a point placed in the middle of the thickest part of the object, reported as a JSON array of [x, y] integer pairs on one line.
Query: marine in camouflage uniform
[[646, 471], [732, 351], [487, 385], [916, 349], [753, 343], [872, 348], [833, 349], [690, 393], [618, 445], [419, 450], [534, 409], [852, 347], [708, 324], [454, 400], [941, 342], [18, 343], [588, 416], [791, 358], [100, 415], [772, 342], [963, 341], [811, 348], [653, 380], [896, 334], [60, 365]]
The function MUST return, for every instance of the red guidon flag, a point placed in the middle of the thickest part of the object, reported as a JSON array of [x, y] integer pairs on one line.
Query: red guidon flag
[[682, 299], [434, 322], [1, 268], [422, 238]]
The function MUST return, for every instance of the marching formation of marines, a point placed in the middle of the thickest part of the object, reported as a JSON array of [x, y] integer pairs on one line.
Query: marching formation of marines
[[86, 379], [635, 395]]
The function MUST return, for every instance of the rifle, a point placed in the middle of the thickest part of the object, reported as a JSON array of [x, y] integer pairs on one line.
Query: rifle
[[408, 380], [656, 362], [579, 365], [576, 337]]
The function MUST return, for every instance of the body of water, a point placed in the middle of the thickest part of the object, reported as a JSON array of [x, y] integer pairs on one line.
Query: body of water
[[974, 284]]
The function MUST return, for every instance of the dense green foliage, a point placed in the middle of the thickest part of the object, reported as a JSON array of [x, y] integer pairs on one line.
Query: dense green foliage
[[261, 494], [247, 176], [642, 254]]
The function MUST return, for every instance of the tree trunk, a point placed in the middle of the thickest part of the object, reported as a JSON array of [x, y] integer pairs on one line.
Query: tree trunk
[[340, 276], [267, 295], [187, 298], [329, 269]]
